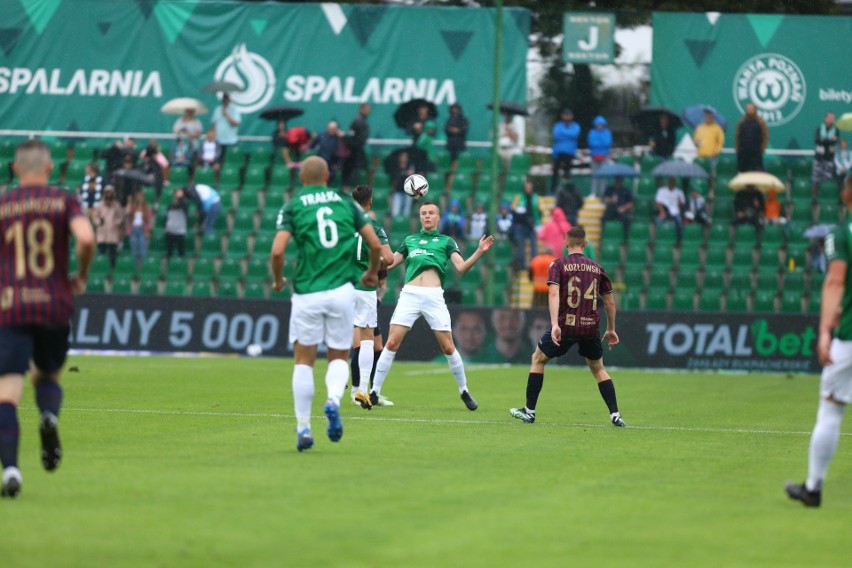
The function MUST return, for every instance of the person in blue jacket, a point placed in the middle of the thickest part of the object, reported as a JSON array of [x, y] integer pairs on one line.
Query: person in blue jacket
[[566, 133], [600, 142]]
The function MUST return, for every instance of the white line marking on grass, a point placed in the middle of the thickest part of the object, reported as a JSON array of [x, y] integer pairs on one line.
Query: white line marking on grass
[[373, 417], [468, 369]]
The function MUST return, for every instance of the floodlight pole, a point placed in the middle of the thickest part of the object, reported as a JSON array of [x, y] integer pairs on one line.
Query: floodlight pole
[[495, 131]]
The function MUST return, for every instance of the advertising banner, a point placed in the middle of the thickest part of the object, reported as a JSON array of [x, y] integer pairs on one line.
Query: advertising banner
[[700, 341], [789, 66], [589, 37], [90, 65]]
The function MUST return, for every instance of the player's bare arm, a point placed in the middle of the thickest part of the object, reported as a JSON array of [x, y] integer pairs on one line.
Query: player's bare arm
[[371, 276], [462, 265], [276, 259], [553, 308], [609, 335], [397, 260], [832, 292], [81, 228]]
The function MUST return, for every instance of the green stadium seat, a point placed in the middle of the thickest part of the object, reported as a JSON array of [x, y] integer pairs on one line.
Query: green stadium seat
[[122, 285], [610, 254], [177, 267], [263, 243], [743, 258], [829, 191], [7, 149], [201, 288], [660, 275], [254, 289], [462, 182], [740, 279], [713, 278], [767, 278], [249, 199], [802, 167], [613, 232], [178, 176], [640, 231], [643, 209], [100, 266], [666, 235], [229, 177], [244, 219], [764, 300], [235, 157], [520, 163], [175, 287], [260, 156], [768, 256], [814, 303], [274, 199], [125, 265], [231, 269], [74, 173], [801, 185], [467, 162], [205, 176], [210, 246], [715, 256], [791, 301], [816, 282], [687, 271], [708, 300], [656, 299], [500, 275], [203, 267], [149, 287], [648, 162], [634, 276], [682, 299], [96, 284], [693, 233], [255, 176], [647, 186], [794, 281], [279, 176], [630, 299], [719, 233], [727, 166], [772, 235], [745, 235], [663, 254], [58, 150], [828, 215], [775, 166], [226, 289], [637, 252], [798, 251], [258, 267], [736, 300]]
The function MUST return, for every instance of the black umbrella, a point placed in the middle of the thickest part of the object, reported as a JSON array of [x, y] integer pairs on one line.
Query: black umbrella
[[408, 112], [284, 113], [417, 157], [135, 175], [647, 120], [222, 87], [511, 107]]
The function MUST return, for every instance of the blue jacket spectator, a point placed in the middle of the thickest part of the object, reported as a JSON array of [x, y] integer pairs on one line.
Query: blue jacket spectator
[[566, 134], [600, 140]]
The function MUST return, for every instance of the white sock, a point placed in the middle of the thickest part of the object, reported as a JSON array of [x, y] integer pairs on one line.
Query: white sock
[[303, 395], [365, 363], [336, 378], [823, 442], [457, 367], [382, 369]]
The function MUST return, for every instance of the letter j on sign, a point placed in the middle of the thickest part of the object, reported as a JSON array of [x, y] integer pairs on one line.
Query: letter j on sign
[[589, 37]]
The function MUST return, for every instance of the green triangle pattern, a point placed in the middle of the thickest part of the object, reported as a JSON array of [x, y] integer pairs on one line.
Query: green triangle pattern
[[40, 12], [258, 26], [173, 17], [764, 26]]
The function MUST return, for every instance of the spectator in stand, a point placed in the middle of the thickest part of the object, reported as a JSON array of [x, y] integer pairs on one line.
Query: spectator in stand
[[539, 272], [452, 223], [670, 202], [709, 139], [819, 262], [401, 202], [526, 215], [91, 189], [356, 142], [326, 144], [566, 134], [279, 141], [140, 220], [618, 202], [189, 129], [696, 209], [826, 142], [210, 154], [209, 205], [751, 139], [424, 139], [748, 207], [126, 185], [504, 221], [182, 154], [600, 143], [553, 232], [478, 225], [569, 199], [772, 209], [664, 138], [842, 162], [114, 158], [130, 152], [176, 224], [226, 122], [455, 129], [109, 224], [155, 164], [509, 140], [298, 141]]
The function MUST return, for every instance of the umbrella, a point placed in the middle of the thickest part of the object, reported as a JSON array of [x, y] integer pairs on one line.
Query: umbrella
[[615, 170], [677, 168], [818, 231], [845, 122], [407, 113], [647, 120], [135, 175], [182, 104], [222, 87], [284, 113], [417, 157], [694, 115], [761, 180], [511, 107]]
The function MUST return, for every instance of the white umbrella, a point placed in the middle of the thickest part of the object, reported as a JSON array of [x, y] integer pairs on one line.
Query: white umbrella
[[182, 104], [761, 180]]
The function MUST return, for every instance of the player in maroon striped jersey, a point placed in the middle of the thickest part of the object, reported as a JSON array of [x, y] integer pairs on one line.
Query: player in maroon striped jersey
[[36, 224], [576, 285]]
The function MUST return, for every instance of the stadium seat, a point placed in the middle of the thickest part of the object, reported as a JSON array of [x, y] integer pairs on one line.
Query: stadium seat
[[816, 282], [96, 284], [814, 300], [708, 300], [226, 289], [643, 209], [663, 254], [258, 267], [829, 191], [210, 246], [772, 235], [802, 167], [255, 177], [828, 215], [610, 254], [764, 300], [125, 265], [244, 219], [736, 300], [633, 276], [727, 166], [647, 186], [682, 299], [203, 267], [176, 266], [462, 182], [231, 269], [100, 266], [666, 235], [688, 270], [801, 185], [798, 251], [520, 164], [766, 278], [660, 275], [201, 288], [637, 252], [205, 176], [468, 162], [715, 256], [254, 289], [263, 244], [148, 287], [693, 233], [656, 299], [175, 288], [640, 231], [769, 255], [274, 198], [713, 278], [743, 257], [791, 301], [74, 173], [122, 285], [740, 279], [279, 176], [775, 166], [178, 176], [630, 299], [260, 156], [235, 157], [249, 199], [793, 281], [229, 177]]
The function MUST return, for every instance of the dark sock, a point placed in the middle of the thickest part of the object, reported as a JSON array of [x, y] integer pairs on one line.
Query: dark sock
[[356, 368], [534, 384], [48, 395], [608, 393], [376, 355], [9, 435]]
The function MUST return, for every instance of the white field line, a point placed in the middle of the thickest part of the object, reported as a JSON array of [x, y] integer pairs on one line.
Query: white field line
[[507, 422]]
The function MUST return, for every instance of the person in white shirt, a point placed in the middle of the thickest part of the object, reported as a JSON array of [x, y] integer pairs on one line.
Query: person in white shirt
[[843, 161], [188, 128], [226, 121], [669, 202]]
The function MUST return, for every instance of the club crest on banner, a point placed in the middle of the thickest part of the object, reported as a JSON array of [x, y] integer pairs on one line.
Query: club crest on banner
[[253, 73], [774, 83]]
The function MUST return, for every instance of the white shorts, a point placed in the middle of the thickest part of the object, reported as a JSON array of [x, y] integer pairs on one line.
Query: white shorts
[[366, 310], [323, 316], [416, 301], [836, 380]]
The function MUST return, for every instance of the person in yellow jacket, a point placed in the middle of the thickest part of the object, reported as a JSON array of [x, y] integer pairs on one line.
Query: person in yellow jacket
[[709, 138]]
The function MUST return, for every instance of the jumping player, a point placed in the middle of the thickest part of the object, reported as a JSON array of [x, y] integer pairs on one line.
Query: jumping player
[[425, 255], [576, 285], [36, 224]]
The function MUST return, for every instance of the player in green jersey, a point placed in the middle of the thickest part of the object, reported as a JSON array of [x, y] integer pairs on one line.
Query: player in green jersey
[[836, 356], [321, 221], [366, 302], [425, 255]]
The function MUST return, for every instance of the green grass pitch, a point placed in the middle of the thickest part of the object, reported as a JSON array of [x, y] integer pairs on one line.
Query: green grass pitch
[[192, 462]]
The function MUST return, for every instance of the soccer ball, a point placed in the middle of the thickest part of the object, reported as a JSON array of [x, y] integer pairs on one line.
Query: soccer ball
[[416, 186], [254, 350]]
